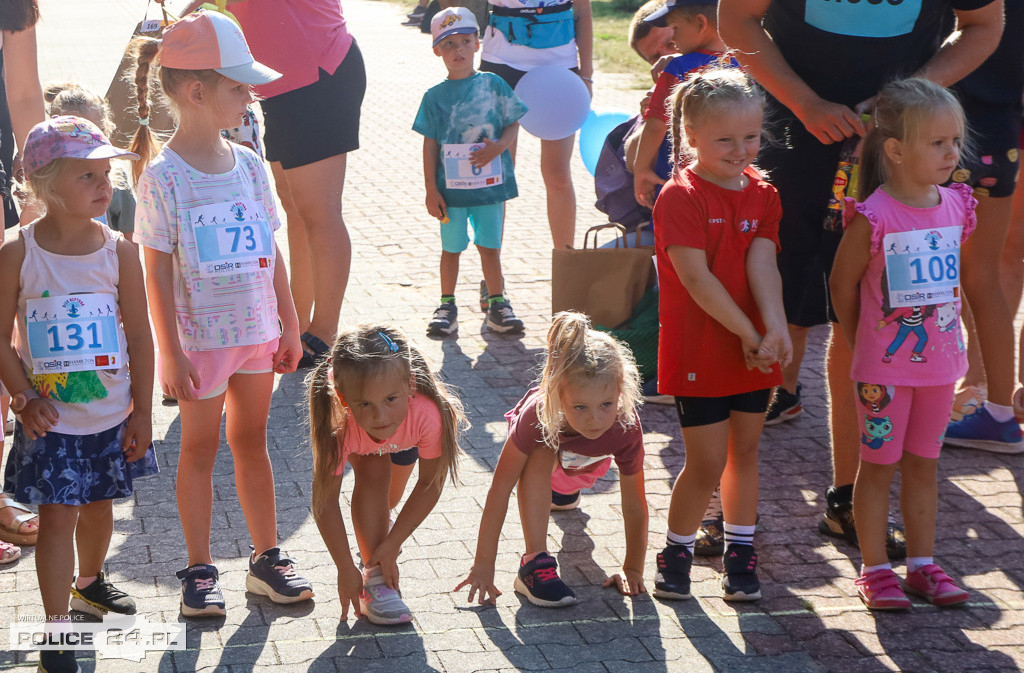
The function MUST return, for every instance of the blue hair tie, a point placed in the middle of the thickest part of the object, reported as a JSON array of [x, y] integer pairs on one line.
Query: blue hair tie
[[392, 346]]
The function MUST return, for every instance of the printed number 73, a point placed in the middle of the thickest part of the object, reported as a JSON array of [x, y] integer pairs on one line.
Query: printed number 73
[[250, 237]]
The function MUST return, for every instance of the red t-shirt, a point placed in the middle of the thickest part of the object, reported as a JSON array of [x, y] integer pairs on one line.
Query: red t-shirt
[[624, 444], [697, 356]]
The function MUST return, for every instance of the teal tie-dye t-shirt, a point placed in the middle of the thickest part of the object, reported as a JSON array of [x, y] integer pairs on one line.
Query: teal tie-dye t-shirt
[[462, 112]]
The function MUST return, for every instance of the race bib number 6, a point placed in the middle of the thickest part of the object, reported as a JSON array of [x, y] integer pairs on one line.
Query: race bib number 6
[[459, 173], [73, 333], [923, 266], [231, 238]]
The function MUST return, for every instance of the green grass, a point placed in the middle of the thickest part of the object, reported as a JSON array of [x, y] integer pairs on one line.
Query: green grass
[[612, 52]]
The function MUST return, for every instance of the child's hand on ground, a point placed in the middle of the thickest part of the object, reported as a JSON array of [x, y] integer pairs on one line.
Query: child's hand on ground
[[436, 205], [350, 585], [38, 416], [138, 435], [289, 352], [1018, 405], [480, 582], [386, 556], [628, 582], [179, 378], [482, 156]]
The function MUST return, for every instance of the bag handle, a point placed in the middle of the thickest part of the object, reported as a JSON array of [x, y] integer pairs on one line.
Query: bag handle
[[636, 234], [620, 234]]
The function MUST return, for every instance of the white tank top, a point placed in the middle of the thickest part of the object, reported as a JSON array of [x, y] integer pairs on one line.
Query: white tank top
[[87, 401]]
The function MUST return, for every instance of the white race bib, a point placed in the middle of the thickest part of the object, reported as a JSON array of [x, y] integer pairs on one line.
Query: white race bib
[[923, 266], [460, 174], [73, 333], [232, 238]]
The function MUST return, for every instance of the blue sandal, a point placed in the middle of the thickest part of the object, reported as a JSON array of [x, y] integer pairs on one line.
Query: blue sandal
[[314, 348]]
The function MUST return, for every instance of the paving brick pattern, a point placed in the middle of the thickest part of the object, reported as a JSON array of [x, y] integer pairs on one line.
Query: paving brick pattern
[[809, 619]]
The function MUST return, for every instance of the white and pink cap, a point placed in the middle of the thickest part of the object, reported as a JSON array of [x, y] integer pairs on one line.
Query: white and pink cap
[[211, 41]]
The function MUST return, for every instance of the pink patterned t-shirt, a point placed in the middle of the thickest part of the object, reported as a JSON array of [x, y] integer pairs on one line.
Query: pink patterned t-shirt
[[909, 330]]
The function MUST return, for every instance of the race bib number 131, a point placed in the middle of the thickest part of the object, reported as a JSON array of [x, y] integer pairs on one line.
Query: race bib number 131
[[73, 333]]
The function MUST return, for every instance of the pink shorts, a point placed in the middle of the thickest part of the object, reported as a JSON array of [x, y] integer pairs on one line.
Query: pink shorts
[[576, 480], [217, 366], [898, 419]]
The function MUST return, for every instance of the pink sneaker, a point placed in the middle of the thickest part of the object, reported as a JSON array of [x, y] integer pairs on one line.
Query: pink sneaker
[[935, 586], [881, 590]]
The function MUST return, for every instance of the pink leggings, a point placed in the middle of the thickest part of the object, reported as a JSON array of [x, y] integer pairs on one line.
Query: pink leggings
[[894, 419]]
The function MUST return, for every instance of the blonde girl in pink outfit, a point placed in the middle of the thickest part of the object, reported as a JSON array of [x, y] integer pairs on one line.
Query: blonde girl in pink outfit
[[219, 296], [372, 401], [896, 289]]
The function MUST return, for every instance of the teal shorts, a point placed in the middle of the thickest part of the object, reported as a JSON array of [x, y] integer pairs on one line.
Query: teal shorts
[[485, 220]]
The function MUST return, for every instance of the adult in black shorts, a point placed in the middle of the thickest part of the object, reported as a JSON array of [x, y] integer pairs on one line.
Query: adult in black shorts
[[311, 120], [820, 60], [991, 98]]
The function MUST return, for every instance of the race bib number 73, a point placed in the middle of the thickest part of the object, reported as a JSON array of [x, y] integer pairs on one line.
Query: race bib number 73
[[232, 238]]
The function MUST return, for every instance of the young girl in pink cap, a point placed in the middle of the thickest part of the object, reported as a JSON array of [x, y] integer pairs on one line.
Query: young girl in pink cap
[[72, 321], [223, 315]]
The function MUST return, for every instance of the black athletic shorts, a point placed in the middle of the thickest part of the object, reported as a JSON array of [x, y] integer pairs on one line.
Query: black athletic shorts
[[803, 170], [695, 411], [405, 457], [995, 131], [317, 121], [507, 72]]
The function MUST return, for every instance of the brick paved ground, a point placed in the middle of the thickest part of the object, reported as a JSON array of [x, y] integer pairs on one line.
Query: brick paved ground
[[809, 619]]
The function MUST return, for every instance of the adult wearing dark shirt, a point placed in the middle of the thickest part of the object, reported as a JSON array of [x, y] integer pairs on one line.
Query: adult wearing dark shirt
[[819, 60]]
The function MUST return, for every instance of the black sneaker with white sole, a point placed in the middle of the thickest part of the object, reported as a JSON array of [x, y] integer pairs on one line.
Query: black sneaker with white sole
[[200, 591], [785, 406], [672, 580], [101, 597], [58, 661], [501, 318], [739, 582], [445, 320]]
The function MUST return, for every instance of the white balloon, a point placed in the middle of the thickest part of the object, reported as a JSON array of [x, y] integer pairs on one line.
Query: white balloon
[[558, 99]]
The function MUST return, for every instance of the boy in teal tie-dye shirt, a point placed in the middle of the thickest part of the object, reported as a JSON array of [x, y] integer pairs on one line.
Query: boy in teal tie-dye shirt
[[468, 122]]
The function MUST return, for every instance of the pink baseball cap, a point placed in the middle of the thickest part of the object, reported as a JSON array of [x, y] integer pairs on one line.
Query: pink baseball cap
[[67, 137], [211, 41]]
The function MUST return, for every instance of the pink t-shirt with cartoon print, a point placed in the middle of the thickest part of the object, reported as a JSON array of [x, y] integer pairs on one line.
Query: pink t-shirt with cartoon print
[[909, 330], [421, 428]]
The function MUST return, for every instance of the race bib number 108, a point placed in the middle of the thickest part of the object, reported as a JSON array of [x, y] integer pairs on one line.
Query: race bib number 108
[[923, 266]]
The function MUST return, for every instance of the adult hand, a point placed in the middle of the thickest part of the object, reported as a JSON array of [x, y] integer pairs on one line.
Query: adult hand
[[645, 185], [829, 122], [660, 65]]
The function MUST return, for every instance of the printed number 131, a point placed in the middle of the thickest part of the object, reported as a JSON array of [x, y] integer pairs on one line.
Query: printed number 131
[[74, 337]]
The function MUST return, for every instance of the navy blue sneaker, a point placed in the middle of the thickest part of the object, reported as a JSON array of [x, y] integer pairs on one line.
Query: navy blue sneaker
[[672, 580], [200, 592], [58, 661], [740, 581], [539, 582], [273, 575], [981, 431]]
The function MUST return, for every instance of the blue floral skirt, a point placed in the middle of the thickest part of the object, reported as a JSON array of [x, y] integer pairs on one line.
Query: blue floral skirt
[[61, 469]]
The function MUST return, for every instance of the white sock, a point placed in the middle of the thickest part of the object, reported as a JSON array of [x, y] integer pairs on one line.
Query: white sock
[[738, 534], [1000, 412], [915, 562], [684, 540], [865, 570]]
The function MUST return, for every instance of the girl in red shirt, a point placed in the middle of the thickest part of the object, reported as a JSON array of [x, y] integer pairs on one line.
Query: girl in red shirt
[[723, 327]]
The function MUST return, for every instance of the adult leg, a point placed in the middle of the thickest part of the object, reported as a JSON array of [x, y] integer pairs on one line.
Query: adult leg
[[555, 156], [534, 495], [316, 194], [55, 557], [200, 438], [300, 273], [981, 281], [1012, 261], [247, 409], [791, 374]]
